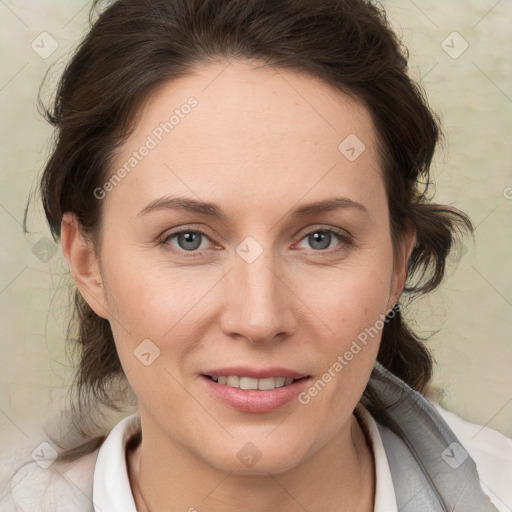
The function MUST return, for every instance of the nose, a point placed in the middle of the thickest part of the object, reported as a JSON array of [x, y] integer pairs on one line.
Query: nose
[[259, 302]]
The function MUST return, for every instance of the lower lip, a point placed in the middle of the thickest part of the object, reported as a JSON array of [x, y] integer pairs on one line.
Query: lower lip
[[254, 400]]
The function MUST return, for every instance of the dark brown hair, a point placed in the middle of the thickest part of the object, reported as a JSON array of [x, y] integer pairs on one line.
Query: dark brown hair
[[136, 45]]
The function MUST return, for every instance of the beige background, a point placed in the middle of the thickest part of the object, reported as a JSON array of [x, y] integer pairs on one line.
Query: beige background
[[472, 312]]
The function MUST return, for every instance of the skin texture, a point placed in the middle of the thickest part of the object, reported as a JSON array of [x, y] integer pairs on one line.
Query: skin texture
[[260, 143]]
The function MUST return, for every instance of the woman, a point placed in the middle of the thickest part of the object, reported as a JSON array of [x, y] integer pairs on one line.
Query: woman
[[236, 186]]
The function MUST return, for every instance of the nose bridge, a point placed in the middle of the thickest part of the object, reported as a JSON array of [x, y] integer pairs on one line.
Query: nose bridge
[[258, 303]]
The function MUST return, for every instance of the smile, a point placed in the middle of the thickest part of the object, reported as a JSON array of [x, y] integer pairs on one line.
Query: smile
[[234, 381], [259, 392]]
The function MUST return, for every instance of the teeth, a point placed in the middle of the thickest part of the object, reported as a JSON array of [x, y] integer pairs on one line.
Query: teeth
[[279, 382], [268, 383], [250, 383], [233, 382]]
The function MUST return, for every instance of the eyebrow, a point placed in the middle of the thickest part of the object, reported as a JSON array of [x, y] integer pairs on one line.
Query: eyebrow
[[214, 211]]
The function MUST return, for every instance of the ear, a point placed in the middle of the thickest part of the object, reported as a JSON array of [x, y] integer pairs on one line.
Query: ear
[[83, 264], [401, 259]]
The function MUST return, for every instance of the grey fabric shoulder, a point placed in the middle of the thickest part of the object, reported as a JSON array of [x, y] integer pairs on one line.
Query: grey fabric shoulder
[[431, 470]]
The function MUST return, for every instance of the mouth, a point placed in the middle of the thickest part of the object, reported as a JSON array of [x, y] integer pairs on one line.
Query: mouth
[[255, 390], [255, 395], [244, 382]]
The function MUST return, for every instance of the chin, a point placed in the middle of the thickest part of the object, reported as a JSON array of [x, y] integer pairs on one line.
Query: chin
[[258, 458]]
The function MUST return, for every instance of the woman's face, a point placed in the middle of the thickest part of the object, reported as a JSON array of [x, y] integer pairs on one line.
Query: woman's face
[[268, 289]]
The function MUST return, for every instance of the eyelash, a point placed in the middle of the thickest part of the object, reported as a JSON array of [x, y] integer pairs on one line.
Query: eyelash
[[344, 237]]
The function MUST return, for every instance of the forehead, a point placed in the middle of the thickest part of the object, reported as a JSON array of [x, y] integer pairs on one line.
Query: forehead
[[240, 130]]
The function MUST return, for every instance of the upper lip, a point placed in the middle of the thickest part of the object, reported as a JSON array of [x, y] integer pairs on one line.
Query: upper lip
[[255, 373]]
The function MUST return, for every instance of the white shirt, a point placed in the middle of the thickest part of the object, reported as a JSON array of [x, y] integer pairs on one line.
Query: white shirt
[[105, 471]]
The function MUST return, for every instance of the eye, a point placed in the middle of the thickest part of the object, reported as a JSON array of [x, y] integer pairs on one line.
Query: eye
[[320, 239], [187, 240]]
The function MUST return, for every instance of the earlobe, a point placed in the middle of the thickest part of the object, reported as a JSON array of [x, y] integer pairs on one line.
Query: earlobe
[[83, 264]]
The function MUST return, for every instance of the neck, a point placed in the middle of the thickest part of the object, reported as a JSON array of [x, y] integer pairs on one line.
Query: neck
[[343, 483]]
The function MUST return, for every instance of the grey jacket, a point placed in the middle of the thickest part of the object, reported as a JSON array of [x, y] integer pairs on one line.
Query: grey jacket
[[431, 470]]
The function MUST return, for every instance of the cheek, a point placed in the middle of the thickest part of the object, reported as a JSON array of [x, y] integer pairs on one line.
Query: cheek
[[159, 304], [354, 314], [149, 298], [351, 304], [350, 298]]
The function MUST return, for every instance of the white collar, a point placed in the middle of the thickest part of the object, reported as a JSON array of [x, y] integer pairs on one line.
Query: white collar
[[111, 485], [385, 498], [112, 491]]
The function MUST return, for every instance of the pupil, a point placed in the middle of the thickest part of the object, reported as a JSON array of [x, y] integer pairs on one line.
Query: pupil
[[320, 237], [190, 241]]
